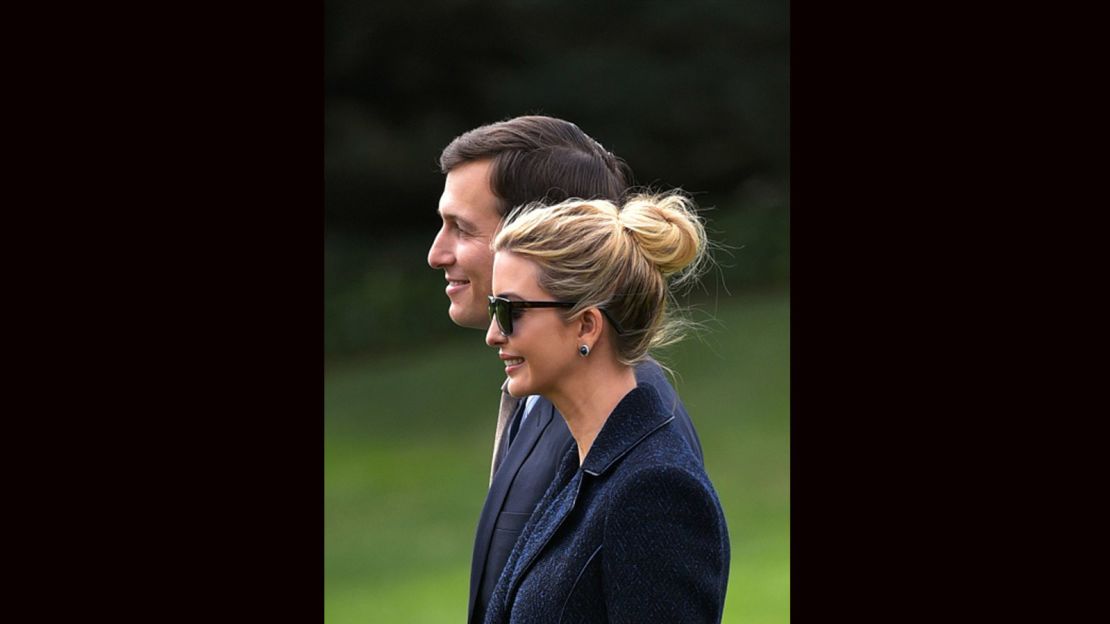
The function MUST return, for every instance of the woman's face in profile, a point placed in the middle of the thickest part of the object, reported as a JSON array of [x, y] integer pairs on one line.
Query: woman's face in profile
[[543, 346]]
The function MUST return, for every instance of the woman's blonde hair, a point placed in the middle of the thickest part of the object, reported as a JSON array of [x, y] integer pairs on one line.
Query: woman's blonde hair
[[625, 260]]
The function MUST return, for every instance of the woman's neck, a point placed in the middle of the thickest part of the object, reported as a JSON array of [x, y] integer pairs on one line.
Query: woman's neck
[[587, 402]]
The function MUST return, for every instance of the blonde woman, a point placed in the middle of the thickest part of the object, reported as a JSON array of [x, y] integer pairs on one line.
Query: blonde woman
[[631, 529]]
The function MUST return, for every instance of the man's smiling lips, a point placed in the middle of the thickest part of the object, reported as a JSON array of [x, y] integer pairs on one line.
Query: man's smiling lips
[[455, 285]]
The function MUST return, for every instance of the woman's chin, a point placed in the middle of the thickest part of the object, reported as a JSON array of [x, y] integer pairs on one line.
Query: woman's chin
[[518, 389]]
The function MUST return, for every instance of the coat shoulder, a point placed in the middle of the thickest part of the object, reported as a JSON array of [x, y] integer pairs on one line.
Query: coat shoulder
[[662, 470]]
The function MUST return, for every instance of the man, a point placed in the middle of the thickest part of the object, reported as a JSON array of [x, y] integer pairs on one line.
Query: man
[[491, 170]]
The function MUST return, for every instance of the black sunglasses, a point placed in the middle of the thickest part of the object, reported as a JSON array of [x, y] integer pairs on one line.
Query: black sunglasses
[[504, 310]]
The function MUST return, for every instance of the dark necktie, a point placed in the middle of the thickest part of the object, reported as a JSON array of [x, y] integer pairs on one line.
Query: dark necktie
[[514, 425]]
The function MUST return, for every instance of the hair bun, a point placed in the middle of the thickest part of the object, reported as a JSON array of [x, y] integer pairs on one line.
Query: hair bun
[[667, 228]]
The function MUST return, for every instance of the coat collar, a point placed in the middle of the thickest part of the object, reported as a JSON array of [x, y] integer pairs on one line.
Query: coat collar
[[638, 415]]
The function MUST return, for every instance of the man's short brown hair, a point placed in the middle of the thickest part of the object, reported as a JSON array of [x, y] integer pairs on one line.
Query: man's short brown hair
[[538, 158]]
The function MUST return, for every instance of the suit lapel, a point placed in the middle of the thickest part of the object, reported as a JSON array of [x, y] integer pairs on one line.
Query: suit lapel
[[502, 443], [525, 441], [527, 437]]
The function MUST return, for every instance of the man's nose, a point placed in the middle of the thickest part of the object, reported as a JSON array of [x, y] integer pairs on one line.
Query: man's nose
[[439, 255]]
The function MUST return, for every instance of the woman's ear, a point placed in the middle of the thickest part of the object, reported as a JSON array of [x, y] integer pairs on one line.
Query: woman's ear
[[590, 326]]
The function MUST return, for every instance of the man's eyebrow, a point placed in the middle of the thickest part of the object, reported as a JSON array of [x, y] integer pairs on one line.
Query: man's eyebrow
[[450, 216]]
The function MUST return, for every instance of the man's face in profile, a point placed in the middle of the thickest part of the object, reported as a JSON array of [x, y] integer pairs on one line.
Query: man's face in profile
[[468, 209]]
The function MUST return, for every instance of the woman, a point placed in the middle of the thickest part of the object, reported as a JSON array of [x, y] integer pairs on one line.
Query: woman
[[630, 530]]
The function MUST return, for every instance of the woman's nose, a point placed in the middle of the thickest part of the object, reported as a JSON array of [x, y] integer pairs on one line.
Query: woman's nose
[[493, 334]]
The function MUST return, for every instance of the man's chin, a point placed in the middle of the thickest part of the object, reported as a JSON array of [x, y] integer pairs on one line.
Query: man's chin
[[463, 318]]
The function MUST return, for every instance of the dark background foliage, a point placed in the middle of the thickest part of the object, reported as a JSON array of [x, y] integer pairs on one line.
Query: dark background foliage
[[692, 94]]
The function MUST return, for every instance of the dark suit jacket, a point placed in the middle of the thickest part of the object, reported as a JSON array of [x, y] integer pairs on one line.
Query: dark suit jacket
[[528, 469], [635, 535]]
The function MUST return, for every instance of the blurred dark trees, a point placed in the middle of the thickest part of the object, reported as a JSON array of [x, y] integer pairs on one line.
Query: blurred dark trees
[[692, 94]]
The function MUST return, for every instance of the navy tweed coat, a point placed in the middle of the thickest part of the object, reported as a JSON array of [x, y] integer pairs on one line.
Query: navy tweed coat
[[527, 471], [636, 534]]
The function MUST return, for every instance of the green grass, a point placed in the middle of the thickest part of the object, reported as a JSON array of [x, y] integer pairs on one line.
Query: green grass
[[407, 447]]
